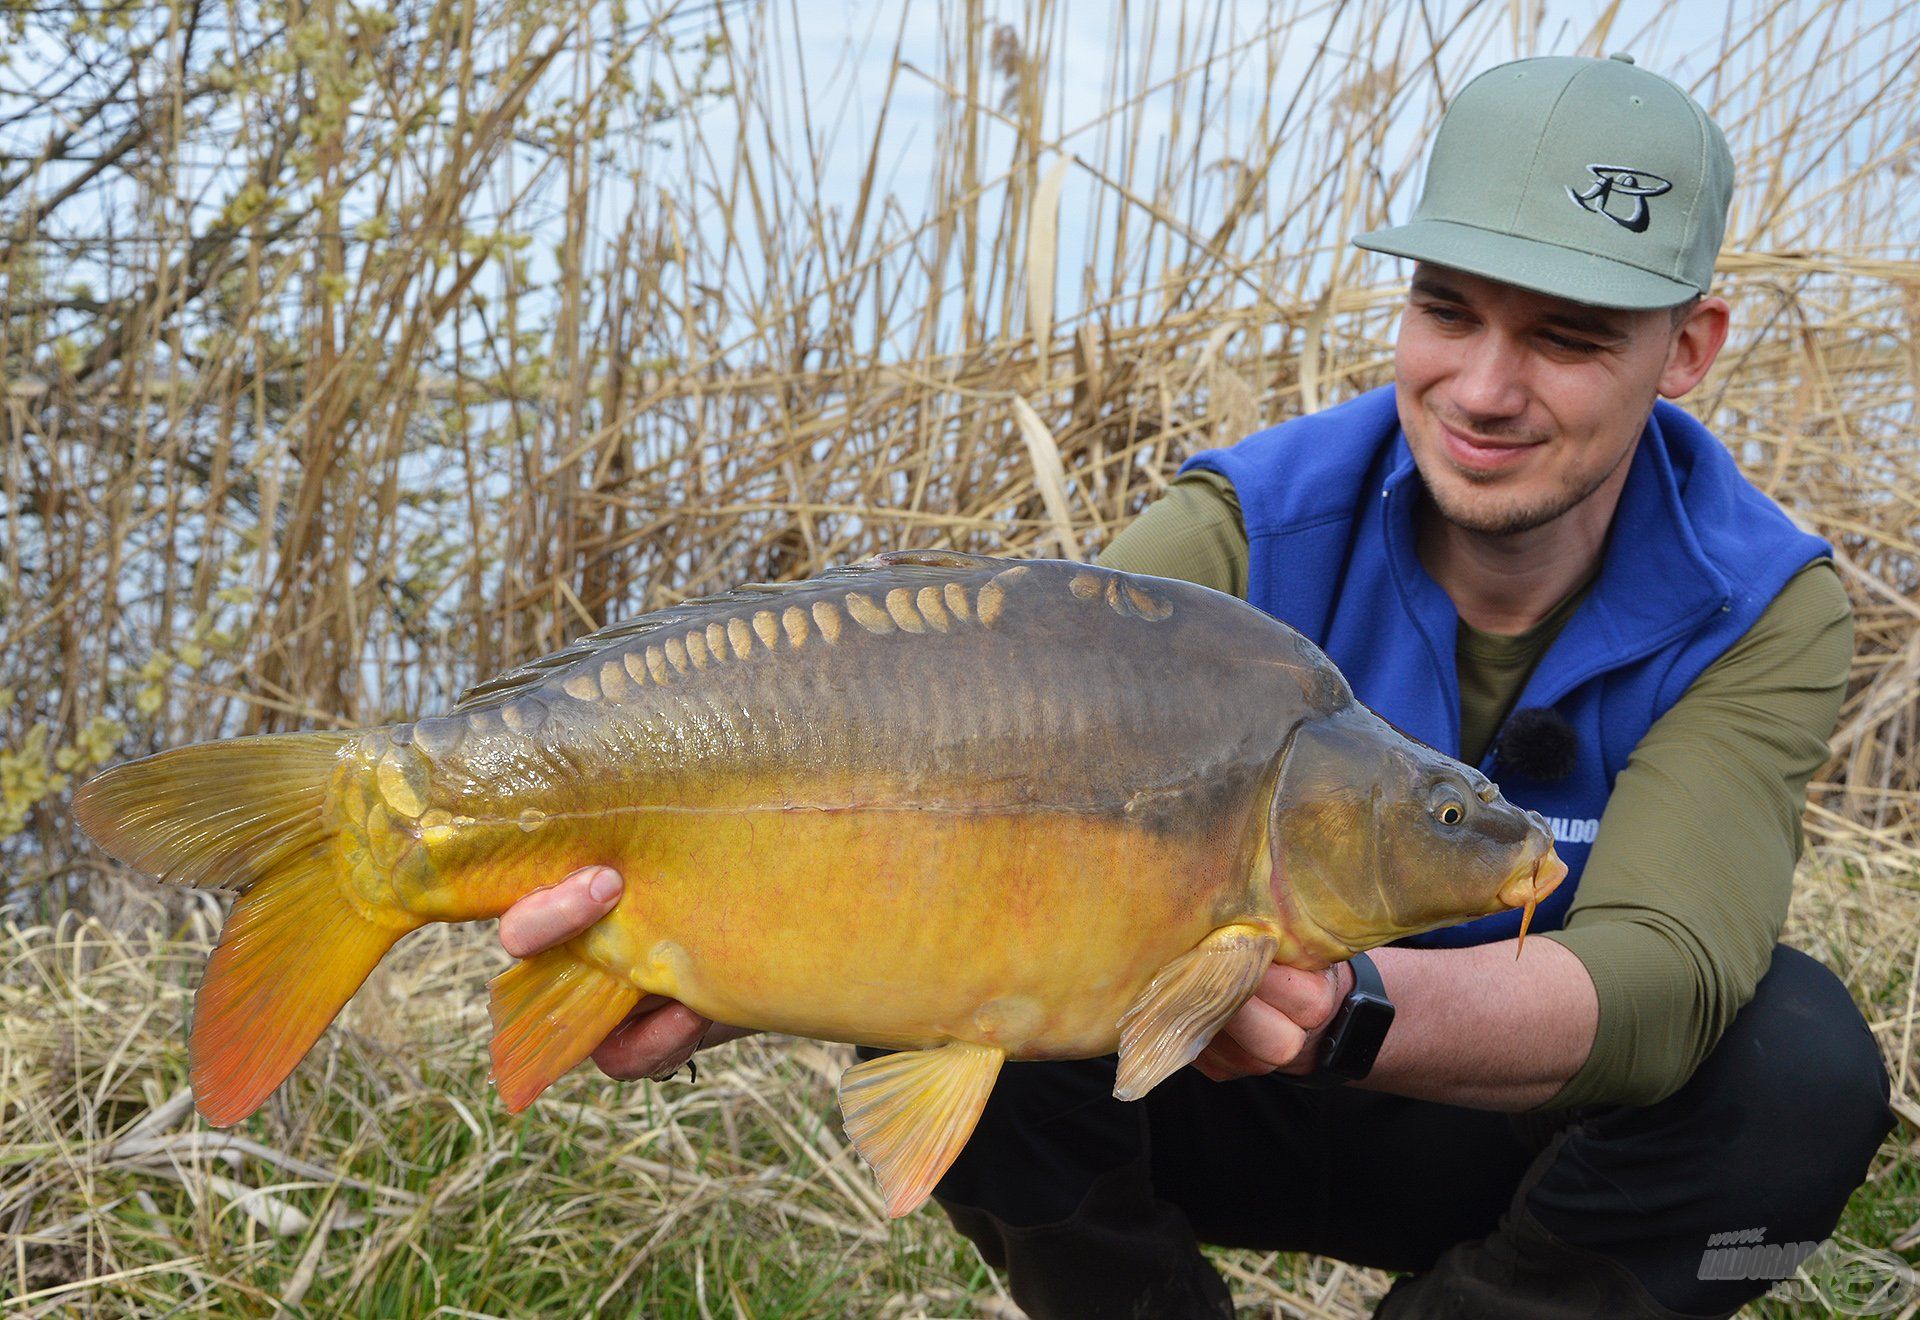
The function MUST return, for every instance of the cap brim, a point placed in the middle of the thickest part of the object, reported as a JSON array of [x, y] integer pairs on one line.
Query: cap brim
[[1529, 263]]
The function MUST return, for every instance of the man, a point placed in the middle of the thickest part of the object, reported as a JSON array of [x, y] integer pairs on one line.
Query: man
[[1516, 525]]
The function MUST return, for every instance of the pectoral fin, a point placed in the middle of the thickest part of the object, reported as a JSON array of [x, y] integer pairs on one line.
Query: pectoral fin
[[909, 1114], [549, 1012], [1190, 998]]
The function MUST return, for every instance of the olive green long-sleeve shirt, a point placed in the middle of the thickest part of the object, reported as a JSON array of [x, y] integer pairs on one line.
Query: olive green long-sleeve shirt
[[1685, 892]]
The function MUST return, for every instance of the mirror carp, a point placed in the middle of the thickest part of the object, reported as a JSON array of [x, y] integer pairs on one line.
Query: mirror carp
[[961, 808]]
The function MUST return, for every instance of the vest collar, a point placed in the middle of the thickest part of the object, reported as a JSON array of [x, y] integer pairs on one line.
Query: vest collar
[[1655, 582]]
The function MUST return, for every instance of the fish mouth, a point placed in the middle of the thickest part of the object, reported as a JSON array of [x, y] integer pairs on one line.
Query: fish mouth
[[1528, 886]]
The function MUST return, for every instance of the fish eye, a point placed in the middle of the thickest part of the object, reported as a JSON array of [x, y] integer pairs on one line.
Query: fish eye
[[1447, 806]]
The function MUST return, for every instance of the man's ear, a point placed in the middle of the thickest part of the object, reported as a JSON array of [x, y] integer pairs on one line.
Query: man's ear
[[1696, 343]]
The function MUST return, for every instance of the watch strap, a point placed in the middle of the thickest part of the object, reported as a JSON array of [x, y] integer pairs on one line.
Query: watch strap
[[1352, 1041]]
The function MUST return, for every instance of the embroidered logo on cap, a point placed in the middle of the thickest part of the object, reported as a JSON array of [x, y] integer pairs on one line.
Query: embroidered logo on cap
[[1621, 181]]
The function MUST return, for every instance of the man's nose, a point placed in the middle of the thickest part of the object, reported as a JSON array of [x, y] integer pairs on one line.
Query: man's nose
[[1491, 382]]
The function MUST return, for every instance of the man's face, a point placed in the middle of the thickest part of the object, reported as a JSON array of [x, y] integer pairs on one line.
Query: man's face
[[1517, 405]]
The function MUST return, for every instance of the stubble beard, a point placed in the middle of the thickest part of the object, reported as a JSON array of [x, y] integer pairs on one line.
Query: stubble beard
[[1495, 517]]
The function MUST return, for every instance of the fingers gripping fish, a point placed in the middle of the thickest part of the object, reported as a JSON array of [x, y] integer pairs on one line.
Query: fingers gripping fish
[[962, 808]]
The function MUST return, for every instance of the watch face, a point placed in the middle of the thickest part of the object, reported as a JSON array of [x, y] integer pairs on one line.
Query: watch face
[[1349, 1049], [1359, 1028], [1357, 1040]]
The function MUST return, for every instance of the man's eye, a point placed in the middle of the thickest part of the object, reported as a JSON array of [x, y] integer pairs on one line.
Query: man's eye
[[1566, 345], [1450, 315]]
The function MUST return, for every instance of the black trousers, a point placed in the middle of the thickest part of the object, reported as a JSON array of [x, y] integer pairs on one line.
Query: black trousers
[[1094, 1207]]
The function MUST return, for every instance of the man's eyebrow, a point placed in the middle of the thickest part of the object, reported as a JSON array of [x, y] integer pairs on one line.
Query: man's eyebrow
[[1433, 288]]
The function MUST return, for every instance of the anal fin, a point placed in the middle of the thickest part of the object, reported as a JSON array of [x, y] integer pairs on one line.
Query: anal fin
[[909, 1114], [549, 1012], [1188, 1001]]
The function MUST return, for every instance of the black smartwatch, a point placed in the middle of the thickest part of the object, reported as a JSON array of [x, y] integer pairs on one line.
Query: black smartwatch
[[1352, 1040]]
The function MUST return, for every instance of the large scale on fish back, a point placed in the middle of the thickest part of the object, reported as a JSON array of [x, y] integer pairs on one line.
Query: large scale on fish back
[[964, 808]]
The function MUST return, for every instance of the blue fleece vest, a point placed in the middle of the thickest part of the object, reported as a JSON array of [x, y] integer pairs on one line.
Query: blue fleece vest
[[1695, 555]]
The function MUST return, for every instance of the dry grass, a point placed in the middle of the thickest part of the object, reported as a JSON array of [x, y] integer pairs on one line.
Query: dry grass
[[351, 358], [385, 1178]]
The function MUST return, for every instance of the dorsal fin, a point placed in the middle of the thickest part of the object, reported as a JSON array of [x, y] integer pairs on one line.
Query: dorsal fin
[[889, 569], [959, 559]]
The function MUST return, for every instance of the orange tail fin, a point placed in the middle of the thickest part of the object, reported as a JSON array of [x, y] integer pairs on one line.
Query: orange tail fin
[[248, 814]]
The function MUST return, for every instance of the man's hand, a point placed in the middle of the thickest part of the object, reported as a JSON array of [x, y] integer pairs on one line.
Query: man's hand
[[1279, 1029], [660, 1034]]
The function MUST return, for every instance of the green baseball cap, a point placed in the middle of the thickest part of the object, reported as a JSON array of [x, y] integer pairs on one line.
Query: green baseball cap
[[1587, 179]]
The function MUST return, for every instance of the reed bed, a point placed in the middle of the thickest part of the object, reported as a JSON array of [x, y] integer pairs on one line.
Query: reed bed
[[349, 356]]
